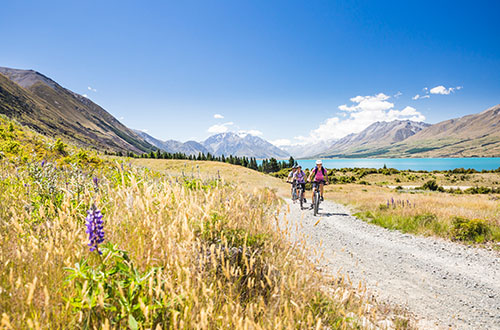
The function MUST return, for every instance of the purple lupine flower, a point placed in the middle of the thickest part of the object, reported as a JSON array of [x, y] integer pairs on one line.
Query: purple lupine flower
[[95, 228], [392, 201], [96, 183], [43, 162], [388, 204]]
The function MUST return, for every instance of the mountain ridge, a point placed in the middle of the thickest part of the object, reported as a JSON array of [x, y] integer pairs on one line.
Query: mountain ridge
[[50, 109], [228, 143], [380, 133], [474, 135]]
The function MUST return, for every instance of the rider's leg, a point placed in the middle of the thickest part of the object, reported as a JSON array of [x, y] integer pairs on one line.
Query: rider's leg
[[321, 190]]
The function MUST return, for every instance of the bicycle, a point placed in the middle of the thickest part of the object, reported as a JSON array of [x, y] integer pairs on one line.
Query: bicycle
[[316, 197], [294, 191], [300, 194]]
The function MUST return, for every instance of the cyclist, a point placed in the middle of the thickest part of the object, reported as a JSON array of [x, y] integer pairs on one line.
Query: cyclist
[[300, 178], [290, 175], [290, 178], [320, 175]]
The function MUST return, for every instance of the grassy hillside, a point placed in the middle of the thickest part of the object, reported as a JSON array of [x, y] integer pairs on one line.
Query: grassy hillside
[[176, 251], [476, 135], [55, 111]]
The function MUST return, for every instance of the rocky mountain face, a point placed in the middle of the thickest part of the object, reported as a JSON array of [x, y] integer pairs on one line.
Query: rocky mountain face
[[43, 105], [173, 146], [476, 135], [374, 136], [221, 144], [242, 145]]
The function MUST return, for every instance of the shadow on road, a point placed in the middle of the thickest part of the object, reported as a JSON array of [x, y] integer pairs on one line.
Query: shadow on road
[[329, 214]]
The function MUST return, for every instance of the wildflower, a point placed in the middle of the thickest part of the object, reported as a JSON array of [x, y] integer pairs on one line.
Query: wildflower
[[95, 228], [96, 183], [43, 162]]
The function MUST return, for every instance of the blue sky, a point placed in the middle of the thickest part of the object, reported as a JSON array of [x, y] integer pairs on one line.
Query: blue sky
[[292, 71]]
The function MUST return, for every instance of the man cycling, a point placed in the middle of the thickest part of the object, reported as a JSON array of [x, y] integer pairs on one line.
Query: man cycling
[[290, 175], [290, 178], [300, 178], [320, 175]]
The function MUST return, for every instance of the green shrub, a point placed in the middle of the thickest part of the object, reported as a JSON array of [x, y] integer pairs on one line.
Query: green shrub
[[430, 185], [475, 230], [60, 147]]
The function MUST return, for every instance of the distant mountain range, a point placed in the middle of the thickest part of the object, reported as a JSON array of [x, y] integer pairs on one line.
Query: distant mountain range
[[43, 105], [222, 144], [476, 135], [376, 135], [173, 146]]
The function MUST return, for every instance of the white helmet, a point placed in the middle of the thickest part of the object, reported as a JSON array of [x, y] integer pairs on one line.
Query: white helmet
[[319, 162]]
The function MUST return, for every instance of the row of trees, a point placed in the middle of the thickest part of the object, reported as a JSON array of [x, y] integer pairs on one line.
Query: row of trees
[[267, 166]]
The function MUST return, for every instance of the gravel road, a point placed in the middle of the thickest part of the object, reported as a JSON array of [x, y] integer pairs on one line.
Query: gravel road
[[444, 284]]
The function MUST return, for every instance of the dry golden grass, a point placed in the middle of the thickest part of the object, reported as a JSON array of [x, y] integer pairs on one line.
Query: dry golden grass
[[443, 206], [216, 255], [244, 177]]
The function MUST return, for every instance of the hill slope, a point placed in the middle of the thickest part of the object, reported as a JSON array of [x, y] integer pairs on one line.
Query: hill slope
[[40, 103], [374, 136], [476, 135]]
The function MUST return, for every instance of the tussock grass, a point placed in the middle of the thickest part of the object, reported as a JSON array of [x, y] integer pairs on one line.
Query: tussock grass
[[425, 212], [179, 252]]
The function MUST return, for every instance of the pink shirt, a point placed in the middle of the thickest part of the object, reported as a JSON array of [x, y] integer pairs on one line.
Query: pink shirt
[[319, 175]]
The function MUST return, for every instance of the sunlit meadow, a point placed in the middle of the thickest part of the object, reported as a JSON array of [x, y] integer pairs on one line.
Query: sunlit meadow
[[91, 243]]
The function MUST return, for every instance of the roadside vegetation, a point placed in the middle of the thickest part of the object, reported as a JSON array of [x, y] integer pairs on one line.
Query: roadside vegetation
[[90, 242], [460, 204]]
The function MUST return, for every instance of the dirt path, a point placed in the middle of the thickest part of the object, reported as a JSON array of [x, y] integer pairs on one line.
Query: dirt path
[[443, 283]]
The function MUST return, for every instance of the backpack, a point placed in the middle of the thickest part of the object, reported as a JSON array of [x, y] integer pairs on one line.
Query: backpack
[[323, 170]]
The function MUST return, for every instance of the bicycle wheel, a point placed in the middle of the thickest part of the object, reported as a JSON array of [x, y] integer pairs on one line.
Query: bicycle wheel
[[294, 194], [316, 202], [301, 198]]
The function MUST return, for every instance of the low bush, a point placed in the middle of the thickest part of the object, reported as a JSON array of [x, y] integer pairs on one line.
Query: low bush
[[475, 230]]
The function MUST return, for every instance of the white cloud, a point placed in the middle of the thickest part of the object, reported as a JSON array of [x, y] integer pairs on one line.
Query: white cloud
[[144, 130], [364, 111], [417, 97], [85, 95], [121, 118], [91, 89], [398, 94], [253, 132], [220, 128], [281, 142], [218, 116], [443, 90], [368, 103]]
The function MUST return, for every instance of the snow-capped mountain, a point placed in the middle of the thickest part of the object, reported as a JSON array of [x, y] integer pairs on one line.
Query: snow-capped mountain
[[221, 144], [242, 145]]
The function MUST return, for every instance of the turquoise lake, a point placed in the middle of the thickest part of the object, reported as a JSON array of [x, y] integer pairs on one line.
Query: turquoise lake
[[425, 164]]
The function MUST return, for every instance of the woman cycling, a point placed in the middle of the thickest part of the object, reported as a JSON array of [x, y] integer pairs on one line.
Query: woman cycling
[[300, 178], [320, 177]]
